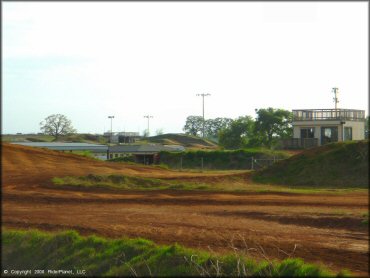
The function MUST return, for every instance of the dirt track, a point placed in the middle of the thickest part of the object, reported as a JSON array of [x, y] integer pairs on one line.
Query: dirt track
[[319, 228]]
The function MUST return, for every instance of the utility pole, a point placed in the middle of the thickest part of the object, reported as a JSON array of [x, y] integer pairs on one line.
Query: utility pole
[[111, 131], [335, 98], [203, 95], [148, 117]]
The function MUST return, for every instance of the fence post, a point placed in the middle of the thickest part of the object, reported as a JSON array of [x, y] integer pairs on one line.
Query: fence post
[[252, 163], [180, 163], [202, 163]]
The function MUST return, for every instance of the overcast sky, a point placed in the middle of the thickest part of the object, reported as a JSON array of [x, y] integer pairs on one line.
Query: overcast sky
[[88, 60]]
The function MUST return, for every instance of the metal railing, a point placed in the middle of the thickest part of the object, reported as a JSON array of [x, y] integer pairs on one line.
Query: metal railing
[[328, 114]]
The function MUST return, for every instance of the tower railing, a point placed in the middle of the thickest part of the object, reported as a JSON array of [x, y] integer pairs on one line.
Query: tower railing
[[328, 114]]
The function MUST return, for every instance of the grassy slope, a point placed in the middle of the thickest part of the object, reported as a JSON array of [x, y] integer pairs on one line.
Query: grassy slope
[[338, 165], [184, 140], [133, 257], [77, 138], [27, 137]]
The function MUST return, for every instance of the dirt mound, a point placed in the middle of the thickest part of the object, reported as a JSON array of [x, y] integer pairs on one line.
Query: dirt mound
[[27, 164], [337, 164], [184, 140], [23, 164]]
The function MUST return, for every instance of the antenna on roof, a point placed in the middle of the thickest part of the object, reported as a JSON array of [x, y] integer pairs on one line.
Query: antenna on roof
[[335, 98]]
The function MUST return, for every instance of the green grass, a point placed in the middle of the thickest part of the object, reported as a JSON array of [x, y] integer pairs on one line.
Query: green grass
[[84, 153], [121, 182], [365, 220], [225, 184], [98, 256], [341, 165]]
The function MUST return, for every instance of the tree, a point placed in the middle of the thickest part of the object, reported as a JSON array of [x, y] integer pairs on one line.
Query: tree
[[159, 131], [57, 125], [238, 134], [272, 124], [213, 126], [193, 125], [145, 133]]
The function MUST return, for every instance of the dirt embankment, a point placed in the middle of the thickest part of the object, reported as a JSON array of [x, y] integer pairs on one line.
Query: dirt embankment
[[343, 164], [316, 227]]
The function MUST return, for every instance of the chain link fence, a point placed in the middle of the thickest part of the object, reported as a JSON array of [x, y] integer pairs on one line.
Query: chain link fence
[[201, 163]]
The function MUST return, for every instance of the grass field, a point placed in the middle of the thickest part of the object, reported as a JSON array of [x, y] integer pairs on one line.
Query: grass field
[[137, 257]]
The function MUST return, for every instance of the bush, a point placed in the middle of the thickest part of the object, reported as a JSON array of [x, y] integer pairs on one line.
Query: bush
[[122, 159]]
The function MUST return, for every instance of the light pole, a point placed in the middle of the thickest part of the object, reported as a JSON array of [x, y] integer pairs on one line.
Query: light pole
[[148, 117], [203, 95], [111, 132]]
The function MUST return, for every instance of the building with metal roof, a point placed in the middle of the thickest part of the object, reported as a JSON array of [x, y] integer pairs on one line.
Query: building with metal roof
[[122, 137], [147, 154], [98, 151]]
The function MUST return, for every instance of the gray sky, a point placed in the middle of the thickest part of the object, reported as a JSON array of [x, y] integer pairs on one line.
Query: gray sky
[[88, 60]]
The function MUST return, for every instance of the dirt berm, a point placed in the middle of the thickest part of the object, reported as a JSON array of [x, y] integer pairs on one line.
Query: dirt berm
[[337, 165]]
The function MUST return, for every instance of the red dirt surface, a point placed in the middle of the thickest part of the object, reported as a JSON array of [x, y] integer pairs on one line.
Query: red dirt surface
[[316, 227]]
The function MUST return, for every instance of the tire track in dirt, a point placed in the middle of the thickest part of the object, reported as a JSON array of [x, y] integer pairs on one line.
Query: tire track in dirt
[[150, 199], [335, 222]]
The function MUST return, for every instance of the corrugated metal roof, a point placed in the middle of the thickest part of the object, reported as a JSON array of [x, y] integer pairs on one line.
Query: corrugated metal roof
[[66, 146]]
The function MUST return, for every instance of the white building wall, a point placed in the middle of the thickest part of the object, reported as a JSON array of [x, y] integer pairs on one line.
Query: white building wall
[[358, 128], [317, 126], [296, 131], [318, 134]]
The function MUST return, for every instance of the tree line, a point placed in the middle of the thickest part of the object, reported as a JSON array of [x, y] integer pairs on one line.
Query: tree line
[[266, 129]]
